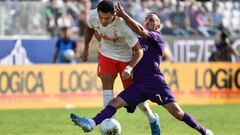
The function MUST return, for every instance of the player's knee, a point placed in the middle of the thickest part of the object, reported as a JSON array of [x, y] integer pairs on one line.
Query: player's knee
[[178, 114], [117, 102], [107, 81]]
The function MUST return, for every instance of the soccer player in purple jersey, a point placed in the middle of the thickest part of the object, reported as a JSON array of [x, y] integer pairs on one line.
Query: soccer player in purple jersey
[[148, 81]]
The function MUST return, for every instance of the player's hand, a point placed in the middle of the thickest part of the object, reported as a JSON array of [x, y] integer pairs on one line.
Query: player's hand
[[120, 10], [84, 56], [125, 75]]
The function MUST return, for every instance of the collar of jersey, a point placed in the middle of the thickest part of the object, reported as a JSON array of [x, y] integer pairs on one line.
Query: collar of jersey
[[113, 22]]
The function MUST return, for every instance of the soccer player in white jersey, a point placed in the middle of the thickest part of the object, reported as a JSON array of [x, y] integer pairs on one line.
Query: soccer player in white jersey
[[119, 52], [148, 79]]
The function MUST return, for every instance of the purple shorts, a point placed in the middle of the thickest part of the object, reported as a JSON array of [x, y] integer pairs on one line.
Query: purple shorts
[[157, 92]]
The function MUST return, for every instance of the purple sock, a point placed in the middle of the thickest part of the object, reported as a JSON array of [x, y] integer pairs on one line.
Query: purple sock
[[190, 121], [107, 112]]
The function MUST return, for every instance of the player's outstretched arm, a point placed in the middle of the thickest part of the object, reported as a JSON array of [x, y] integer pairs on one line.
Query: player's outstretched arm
[[134, 25], [88, 34]]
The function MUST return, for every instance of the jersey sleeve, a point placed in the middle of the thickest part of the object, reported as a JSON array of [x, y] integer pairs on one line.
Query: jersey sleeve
[[131, 37], [154, 37]]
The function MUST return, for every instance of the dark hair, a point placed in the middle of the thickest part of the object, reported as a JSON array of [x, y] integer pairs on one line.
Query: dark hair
[[105, 6], [154, 13], [64, 28]]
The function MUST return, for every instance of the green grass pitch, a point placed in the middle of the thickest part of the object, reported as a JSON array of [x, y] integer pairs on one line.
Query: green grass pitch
[[221, 119]]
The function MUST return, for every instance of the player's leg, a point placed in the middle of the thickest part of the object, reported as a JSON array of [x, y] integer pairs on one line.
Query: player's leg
[[107, 72], [153, 118], [108, 111], [107, 84], [128, 98], [88, 124], [144, 106], [161, 94], [179, 114]]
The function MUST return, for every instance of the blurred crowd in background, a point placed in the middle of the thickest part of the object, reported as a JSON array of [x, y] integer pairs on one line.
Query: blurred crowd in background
[[179, 18]]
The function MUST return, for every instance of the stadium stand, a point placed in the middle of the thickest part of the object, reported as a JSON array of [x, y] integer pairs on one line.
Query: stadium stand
[[185, 19]]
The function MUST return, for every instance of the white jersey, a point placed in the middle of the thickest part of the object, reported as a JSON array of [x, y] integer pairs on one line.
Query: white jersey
[[117, 38]]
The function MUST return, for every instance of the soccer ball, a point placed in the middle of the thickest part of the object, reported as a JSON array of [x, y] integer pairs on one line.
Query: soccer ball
[[69, 54], [110, 127]]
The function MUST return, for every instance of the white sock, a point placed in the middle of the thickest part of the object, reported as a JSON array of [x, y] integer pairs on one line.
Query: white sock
[[107, 97], [145, 108], [92, 123]]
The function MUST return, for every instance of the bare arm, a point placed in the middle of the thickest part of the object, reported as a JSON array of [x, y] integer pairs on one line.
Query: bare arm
[[134, 25], [88, 34], [97, 36], [138, 54]]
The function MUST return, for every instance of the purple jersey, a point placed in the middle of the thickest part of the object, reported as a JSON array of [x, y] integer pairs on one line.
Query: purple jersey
[[148, 81], [147, 70]]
